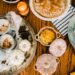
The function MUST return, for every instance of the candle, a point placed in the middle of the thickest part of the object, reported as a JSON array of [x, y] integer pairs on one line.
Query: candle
[[23, 8]]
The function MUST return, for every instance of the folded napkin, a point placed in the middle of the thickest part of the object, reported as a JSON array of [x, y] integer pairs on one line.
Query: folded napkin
[[62, 24], [14, 19]]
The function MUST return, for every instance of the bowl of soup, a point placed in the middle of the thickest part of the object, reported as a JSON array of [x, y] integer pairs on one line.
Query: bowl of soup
[[49, 9]]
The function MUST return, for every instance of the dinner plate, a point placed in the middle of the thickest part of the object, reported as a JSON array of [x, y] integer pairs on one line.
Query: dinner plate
[[49, 19], [71, 31]]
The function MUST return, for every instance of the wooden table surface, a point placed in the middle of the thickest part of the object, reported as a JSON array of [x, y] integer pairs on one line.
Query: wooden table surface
[[67, 61]]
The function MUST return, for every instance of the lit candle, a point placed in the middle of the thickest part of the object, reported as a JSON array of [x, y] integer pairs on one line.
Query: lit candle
[[23, 8]]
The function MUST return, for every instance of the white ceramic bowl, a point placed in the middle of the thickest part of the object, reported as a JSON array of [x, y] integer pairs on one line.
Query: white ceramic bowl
[[49, 19], [13, 42], [2, 21], [11, 1]]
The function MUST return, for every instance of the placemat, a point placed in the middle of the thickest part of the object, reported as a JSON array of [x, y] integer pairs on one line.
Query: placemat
[[62, 24]]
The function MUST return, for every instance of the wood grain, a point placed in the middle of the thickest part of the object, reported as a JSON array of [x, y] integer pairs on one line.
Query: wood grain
[[67, 61]]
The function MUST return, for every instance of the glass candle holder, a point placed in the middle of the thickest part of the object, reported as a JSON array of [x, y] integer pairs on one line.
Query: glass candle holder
[[22, 8]]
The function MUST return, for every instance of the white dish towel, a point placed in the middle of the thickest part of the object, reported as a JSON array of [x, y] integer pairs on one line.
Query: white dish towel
[[62, 24]]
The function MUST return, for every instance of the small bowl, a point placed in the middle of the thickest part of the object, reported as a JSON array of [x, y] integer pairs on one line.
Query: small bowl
[[37, 37], [46, 64], [7, 36], [50, 19], [11, 1], [2, 22]]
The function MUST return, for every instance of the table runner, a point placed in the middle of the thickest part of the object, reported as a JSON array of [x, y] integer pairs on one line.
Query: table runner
[[62, 24]]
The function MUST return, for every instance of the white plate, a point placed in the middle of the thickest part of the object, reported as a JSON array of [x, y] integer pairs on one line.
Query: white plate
[[13, 70], [11, 1], [49, 19]]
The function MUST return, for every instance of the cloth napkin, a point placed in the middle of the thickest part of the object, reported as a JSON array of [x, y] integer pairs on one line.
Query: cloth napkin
[[15, 20], [62, 24]]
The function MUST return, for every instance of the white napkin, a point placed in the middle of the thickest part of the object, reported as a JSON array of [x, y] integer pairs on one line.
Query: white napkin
[[14, 19], [62, 24]]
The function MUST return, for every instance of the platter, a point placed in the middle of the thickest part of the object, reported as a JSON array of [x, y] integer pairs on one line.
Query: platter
[[18, 54]]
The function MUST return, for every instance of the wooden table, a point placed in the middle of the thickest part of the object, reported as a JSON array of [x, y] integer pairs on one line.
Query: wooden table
[[67, 61]]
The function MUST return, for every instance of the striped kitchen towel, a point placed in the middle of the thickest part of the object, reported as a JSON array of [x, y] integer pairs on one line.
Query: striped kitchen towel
[[62, 24]]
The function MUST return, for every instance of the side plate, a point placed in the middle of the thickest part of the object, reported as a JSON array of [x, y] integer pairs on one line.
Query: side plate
[[10, 2]]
